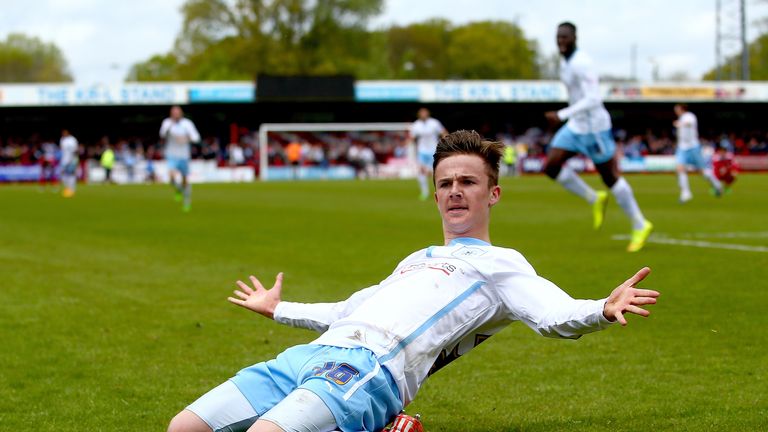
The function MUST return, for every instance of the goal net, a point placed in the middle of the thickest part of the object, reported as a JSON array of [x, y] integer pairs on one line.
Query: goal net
[[309, 151]]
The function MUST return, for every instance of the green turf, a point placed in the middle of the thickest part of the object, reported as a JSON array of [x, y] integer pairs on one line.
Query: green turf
[[113, 313]]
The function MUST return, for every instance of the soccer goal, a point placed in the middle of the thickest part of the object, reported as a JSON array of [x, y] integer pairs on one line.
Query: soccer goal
[[307, 151]]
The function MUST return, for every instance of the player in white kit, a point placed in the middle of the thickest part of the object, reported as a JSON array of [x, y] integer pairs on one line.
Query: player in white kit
[[425, 132], [69, 160], [588, 131], [179, 133], [688, 153], [378, 347]]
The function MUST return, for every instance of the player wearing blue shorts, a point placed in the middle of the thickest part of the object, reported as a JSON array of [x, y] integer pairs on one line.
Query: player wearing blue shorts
[[179, 133], [587, 131], [425, 132], [69, 161], [688, 153], [376, 348]]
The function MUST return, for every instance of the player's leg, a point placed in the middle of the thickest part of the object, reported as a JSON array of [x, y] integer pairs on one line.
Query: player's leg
[[186, 187], [564, 146], [69, 180], [622, 191], [300, 411], [683, 184], [682, 159], [707, 172], [425, 171], [224, 408]]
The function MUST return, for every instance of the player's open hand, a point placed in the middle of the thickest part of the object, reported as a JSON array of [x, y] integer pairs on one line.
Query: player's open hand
[[258, 298], [628, 298]]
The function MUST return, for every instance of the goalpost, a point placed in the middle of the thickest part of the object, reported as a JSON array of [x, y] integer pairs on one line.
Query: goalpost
[[266, 128]]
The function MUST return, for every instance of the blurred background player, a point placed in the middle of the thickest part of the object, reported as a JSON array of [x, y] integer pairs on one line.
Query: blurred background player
[[179, 133], [425, 132], [68, 163], [47, 156], [688, 153], [588, 131], [725, 167]]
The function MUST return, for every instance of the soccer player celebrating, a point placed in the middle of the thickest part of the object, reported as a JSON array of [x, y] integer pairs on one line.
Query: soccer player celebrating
[[588, 131], [688, 153], [69, 161], [425, 131], [378, 347], [179, 133]]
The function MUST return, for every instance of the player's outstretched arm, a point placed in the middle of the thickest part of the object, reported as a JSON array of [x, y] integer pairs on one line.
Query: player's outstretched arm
[[627, 298], [258, 298]]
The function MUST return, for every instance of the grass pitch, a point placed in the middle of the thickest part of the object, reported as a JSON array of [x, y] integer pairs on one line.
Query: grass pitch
[[113, 312]]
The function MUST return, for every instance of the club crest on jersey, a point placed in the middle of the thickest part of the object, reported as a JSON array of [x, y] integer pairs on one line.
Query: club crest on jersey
[[469, 251], [338, 374]]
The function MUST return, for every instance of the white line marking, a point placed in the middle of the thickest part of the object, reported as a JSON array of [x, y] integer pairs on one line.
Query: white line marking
[[747, 235], [697, 243]]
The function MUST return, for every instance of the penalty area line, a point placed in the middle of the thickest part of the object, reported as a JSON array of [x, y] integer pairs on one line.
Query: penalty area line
[[697, 243]]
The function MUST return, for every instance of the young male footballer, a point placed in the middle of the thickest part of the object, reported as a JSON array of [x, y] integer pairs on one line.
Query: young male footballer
[[377, 347]]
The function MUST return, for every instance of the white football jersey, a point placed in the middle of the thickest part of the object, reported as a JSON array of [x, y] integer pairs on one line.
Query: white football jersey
[[585, 112], [687, 131], [441, 302], [178, 136], [68, 145], [427, 133]]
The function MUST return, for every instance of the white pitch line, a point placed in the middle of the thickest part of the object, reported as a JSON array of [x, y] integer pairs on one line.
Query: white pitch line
[[698, 243], [744, 234]]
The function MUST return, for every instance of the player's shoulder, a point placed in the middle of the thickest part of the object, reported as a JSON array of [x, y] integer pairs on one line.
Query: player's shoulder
[[581, 59], [508, 259]]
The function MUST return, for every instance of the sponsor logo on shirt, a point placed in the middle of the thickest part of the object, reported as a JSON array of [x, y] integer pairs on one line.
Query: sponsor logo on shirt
[[444, 267]]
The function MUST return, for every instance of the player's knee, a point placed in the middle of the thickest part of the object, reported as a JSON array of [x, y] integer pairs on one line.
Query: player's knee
[[552, 169], [186, 421], [610, 179]]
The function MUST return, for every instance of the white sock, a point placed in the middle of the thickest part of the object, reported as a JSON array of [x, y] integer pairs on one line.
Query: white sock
[[571, 181], [709, 175], [682, 181], [423, 184], [626, 199]]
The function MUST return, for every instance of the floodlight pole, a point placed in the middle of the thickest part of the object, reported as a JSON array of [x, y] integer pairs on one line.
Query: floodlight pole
[[744, 46]]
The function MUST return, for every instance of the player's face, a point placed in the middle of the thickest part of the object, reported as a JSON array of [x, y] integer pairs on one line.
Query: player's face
[[566, 40], [679, 110], [423, 114], [463, 196], [176, 113]]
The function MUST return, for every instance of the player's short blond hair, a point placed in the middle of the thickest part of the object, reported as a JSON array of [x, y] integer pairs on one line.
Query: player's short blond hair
[[470, 143]]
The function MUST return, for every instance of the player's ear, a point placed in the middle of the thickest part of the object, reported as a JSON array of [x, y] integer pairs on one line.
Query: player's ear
[[495, 195]]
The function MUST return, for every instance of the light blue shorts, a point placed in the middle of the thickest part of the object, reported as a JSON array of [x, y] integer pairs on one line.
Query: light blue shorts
[[70, 168], [599, 146], [180, 165], [690, 157], [426, 160], [361, 394]]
